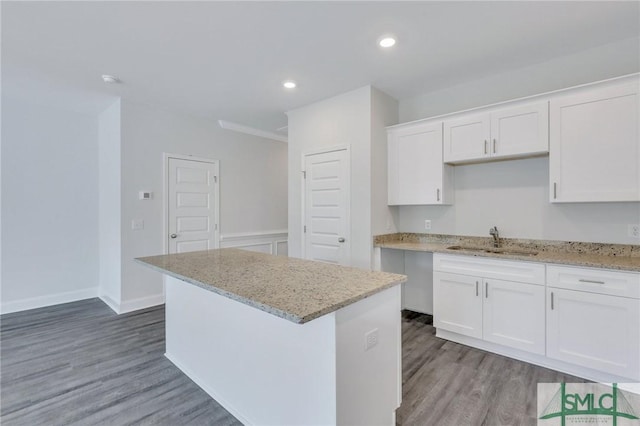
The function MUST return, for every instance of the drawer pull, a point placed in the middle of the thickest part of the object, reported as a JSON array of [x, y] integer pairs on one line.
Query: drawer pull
[[485, 146], [477, 293], [590, 281], [552, 301], [486, 290]]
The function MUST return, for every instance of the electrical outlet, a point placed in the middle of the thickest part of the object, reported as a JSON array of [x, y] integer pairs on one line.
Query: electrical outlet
[[633, 230], [137, 224], [370, 339], [427, 224]]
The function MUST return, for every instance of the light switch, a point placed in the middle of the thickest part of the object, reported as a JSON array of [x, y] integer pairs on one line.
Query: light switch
[[137, 224]]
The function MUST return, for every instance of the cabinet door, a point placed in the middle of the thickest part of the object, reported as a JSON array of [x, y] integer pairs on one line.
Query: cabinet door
[[595, 331], [594, 146], [513, 315], [467, 138], [520, 131], [415, 166], [457, 303]]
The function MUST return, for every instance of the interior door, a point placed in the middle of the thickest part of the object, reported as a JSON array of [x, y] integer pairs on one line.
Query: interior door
[[326, 207], [192, 205]]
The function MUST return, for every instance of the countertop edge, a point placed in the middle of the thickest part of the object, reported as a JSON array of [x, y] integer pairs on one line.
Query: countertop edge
[[539, 258], [269, 309]]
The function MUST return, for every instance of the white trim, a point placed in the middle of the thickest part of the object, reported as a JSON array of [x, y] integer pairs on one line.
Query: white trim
[[165, 196], [524, 98], [264, 243], [326, 150], [276, 245], [259, 234], [541, 360], [49, 300], [240, 128], [133, 304]]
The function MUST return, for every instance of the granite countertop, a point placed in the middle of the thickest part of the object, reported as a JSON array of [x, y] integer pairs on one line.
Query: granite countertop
[[597, 255], [295, 289]]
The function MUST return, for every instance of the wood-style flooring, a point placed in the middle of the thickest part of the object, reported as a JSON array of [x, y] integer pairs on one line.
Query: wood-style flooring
[[80, 364]]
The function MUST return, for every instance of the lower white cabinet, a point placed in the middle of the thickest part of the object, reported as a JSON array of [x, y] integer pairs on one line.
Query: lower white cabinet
[[513, 315], [590, 327], [457, 303], [505, 312]]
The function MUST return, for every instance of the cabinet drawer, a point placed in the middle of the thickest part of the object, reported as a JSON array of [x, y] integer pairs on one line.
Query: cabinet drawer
[[509, 270], [600, 281]]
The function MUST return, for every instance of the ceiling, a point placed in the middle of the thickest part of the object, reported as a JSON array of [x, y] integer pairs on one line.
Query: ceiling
[[227, 60]]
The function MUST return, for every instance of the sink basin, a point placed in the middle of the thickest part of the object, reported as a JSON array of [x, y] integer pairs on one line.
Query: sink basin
[[495, 250]]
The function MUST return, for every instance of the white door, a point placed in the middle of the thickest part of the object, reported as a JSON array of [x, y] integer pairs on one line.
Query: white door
[[192, 205], [415, 166], [594, 330], [457, 303], [326, 207], [520, 130], [467, 138], [513, 315], [595, 146]]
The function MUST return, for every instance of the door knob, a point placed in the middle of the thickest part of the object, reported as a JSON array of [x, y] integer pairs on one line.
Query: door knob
[[341, 240], [174, 235]]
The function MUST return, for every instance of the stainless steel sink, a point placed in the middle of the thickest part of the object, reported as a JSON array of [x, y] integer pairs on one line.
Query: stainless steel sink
[[496, 250]]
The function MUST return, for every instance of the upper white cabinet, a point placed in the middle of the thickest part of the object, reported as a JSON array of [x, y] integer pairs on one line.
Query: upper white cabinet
[[594, 146], [416, 172], [519, 131]]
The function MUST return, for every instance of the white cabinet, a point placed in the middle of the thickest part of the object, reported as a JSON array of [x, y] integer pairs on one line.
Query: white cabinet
[[457, 303], [595, 145], [481, 300], [519, 131], [588, 325], [416, 172]]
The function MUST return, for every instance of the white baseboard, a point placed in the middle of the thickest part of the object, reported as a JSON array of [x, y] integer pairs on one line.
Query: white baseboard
[[540, 360], [49, 300], [210, 391], [123, 307]]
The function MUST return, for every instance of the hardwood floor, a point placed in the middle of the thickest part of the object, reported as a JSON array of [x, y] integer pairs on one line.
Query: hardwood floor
[[80, 364]]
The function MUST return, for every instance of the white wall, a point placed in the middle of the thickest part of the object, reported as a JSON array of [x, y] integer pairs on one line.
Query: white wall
[[514, 194], [253, 176], [355, 119], [49, 205], [340, 121], [109, 188]]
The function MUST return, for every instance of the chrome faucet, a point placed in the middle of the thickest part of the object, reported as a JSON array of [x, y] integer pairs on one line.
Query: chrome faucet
[[496, 237]]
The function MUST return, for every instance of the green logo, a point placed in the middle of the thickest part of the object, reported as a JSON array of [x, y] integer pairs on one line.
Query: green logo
[[612, 402]]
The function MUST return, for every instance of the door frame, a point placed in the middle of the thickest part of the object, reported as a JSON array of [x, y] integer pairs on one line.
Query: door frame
[[165, 196], [347, 149]]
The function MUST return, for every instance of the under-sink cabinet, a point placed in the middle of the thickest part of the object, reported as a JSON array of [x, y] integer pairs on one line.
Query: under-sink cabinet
[[517, 131], [416, 173], [498, 301], [593, 319]]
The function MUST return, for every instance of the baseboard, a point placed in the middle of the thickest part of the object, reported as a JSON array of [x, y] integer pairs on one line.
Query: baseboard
[[539, 360], [210, 391], [133, 304], [50, 300]]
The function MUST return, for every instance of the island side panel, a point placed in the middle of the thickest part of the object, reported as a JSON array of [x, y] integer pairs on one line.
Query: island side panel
[[261, 368], [370, 380]]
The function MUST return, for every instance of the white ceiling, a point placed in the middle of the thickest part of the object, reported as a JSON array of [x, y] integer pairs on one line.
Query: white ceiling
[[227, 60]]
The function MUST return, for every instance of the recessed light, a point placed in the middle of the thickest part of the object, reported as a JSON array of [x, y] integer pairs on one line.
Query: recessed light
[[289, 84], [110, 79], [387, 42]]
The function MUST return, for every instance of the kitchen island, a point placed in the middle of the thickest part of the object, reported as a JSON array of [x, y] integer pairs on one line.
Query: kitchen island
[[278, 340]]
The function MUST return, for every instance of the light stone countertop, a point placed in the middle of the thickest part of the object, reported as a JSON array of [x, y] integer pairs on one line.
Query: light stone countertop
[[596, 255], [295, 289]]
